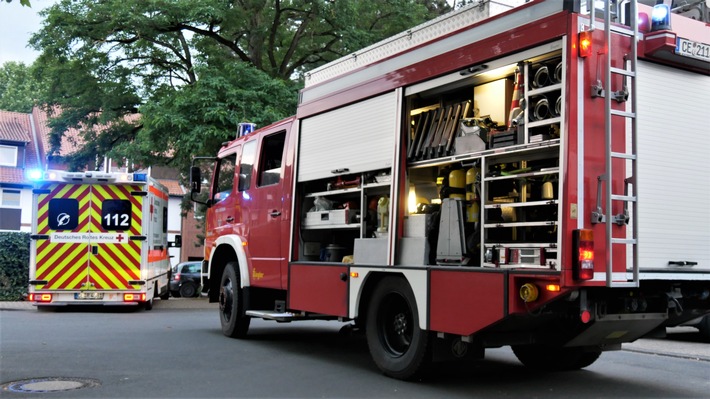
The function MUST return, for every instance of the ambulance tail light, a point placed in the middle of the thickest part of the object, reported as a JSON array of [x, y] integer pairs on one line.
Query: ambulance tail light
[[43, 298], [583, 254], [585, 43], [137, 297]]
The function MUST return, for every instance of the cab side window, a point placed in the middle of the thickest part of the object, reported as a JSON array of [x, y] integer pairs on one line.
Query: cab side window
[[246, 168], [272, 149], [224, 181]]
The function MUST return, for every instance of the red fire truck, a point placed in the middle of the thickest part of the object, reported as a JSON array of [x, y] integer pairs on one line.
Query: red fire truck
[[528, 176]]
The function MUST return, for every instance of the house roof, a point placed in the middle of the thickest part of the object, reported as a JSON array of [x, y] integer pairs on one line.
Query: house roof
[[18, 127], [32, 132], [174, 187], [15, 126]]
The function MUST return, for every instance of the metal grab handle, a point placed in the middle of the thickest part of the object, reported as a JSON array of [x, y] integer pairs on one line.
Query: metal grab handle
[[275, 213], [229, 219]]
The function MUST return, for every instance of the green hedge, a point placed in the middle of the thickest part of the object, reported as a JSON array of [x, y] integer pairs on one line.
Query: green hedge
[[14, 265]]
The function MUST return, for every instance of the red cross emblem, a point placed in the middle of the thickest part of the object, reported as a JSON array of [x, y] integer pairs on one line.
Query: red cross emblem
[[120, 237]]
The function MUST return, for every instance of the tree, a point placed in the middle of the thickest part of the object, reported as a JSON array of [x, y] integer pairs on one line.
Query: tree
[[19, 90], [24, 3], [174, 63]]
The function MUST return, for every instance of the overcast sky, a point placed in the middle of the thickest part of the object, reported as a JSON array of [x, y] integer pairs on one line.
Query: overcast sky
[[17, 23]]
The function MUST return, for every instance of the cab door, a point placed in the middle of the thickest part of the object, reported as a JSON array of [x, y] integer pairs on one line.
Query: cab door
[[268, 200]]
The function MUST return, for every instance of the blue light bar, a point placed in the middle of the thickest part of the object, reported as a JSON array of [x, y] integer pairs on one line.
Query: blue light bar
[[140, 177], [245, 128], [661, 17], [34, 174]]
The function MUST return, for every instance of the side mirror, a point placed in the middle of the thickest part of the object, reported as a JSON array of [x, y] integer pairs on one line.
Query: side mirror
[[195, 180], [177, 243]]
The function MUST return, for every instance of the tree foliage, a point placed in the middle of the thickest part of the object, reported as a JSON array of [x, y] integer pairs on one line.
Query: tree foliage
[[194, 68], [19, 90], [14, 265]]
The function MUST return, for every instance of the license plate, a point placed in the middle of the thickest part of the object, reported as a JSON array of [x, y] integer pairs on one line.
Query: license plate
[[89, 295], [692, 49]]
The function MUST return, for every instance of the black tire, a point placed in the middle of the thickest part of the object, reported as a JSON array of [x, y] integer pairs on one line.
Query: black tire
[[552, 358], [397, 345], [231, 303], [704, 327], [148, 305], [165, 295], [188, 290]]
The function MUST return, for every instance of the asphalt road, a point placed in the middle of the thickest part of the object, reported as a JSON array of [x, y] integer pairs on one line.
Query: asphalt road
[[177, 351]]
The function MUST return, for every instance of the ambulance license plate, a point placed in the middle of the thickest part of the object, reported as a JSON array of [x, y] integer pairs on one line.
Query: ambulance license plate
[[692, 49], [89, 295]]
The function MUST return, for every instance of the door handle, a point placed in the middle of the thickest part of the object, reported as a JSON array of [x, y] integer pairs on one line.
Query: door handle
[[229, 219], [275, 213]]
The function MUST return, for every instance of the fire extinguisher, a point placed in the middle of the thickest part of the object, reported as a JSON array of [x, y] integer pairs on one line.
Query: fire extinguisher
[[472, 209], [457, 184]]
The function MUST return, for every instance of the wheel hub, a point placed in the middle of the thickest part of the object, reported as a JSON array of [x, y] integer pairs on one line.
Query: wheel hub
[[400, 324]]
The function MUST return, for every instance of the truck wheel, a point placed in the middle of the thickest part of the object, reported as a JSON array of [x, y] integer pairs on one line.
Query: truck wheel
[[231, 304], [704, 327], [188, 290], [397, 345], [148, 305], [550, 358]]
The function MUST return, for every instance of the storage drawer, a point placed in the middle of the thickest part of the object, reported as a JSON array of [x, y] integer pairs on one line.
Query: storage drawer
[[333, 216]]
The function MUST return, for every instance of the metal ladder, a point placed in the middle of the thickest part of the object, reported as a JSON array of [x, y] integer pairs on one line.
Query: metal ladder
[[628, 73]]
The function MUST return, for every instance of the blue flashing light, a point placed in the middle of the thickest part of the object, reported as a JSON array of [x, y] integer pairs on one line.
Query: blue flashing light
[[245, 128], [661, 17], [35, 174], [140, 177]]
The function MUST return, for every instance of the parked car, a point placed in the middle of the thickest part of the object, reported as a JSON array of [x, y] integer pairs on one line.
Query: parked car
[[186, 279]]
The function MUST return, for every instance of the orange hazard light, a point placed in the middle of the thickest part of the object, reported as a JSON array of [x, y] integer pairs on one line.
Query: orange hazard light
[[585, 43]]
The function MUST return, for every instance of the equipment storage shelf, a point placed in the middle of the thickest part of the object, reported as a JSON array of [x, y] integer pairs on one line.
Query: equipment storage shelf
[[337, 212], [521, 208]]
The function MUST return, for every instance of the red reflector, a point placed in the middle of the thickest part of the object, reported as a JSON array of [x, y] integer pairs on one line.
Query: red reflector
[[585, 43], [585, 316], [583, 255]]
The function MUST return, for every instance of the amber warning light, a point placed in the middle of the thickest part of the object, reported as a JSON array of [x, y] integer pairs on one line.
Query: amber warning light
[[585, 43]]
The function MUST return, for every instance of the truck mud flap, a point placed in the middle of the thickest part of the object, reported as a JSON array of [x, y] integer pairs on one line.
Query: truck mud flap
[[618, 328]]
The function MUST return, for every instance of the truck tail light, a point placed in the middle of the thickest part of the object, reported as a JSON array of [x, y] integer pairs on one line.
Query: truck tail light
[[40, 298], [137, 297], [585, 43], [583, 254]]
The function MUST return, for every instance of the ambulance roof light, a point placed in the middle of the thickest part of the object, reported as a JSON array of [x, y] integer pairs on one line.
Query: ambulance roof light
[[35, 174], [140, 177]]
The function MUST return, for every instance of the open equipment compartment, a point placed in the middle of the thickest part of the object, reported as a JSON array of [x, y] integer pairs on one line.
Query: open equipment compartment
[[487, 137]]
